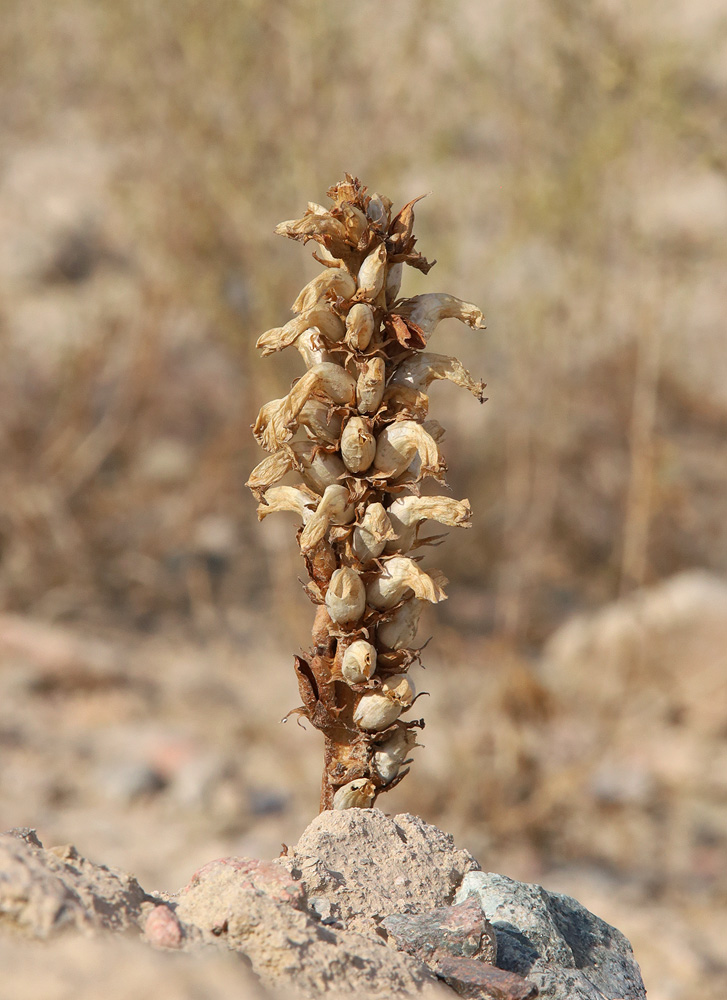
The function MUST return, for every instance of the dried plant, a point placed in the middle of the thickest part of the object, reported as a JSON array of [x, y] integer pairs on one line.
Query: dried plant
[[354, 428]]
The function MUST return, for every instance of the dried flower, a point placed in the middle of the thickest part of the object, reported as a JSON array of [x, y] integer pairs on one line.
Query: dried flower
[[355, 429]]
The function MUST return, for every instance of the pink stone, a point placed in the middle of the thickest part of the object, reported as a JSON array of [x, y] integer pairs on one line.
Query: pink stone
[[261, 876], [162, 929]]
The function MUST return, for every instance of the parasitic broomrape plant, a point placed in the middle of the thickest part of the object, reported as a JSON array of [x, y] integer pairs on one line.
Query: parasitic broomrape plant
[[354, 429]]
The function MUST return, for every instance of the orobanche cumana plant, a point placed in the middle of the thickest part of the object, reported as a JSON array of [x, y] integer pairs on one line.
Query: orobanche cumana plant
[[355, 429]]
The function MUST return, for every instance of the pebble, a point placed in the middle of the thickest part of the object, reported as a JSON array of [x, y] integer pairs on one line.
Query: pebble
[[162, 929]]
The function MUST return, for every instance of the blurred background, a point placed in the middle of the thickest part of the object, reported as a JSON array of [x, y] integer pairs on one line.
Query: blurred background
[[575, 154]]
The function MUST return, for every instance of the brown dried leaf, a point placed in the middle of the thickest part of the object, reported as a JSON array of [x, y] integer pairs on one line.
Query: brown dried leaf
[[405, 332]]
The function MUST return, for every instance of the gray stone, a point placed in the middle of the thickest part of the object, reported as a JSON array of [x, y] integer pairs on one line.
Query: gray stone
[[461, 931], [554, 941], [43, 892]]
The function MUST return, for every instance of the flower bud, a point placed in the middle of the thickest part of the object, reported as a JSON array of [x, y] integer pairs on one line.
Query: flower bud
[[359, 326], [359, 662], [358, 794], [346, 596], [358, 445]]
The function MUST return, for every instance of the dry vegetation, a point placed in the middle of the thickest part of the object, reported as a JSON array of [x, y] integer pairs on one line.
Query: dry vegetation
[[576, 156]]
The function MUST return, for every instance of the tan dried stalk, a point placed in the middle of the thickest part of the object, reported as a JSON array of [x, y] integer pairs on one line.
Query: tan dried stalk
[[354, 428]]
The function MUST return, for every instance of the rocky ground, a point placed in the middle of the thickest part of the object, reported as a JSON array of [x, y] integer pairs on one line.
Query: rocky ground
[[364, 905], [156, 755]]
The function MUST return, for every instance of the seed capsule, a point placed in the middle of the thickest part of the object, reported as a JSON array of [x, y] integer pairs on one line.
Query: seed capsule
[[370, 386], [392, 753], [359, 326], [375, 712], [393, 283], [372, 274], [358, 445], [400, 688], [346, 596], [321, 423], [401, 629], [370, 537], [358, 794], [359, 662], [319, 468], [379, 211]]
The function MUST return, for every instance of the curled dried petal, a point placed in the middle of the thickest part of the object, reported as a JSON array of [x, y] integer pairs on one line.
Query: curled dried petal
[[428, 310], [269, 471], [346, 596], [338, 282], [371, 535], [406, 513], [326, 322], [399, 443], [370, 386], [399, 576], [420, 370], [316, 225], [278, 420], [335, 507], [358, 445], [293, 498]]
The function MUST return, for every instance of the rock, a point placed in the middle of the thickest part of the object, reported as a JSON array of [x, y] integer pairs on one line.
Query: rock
[[460, 931], [365, 905], [370, 865], [162, 929], [554, 942], [482, 980], [43, 892], [257, 909]]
